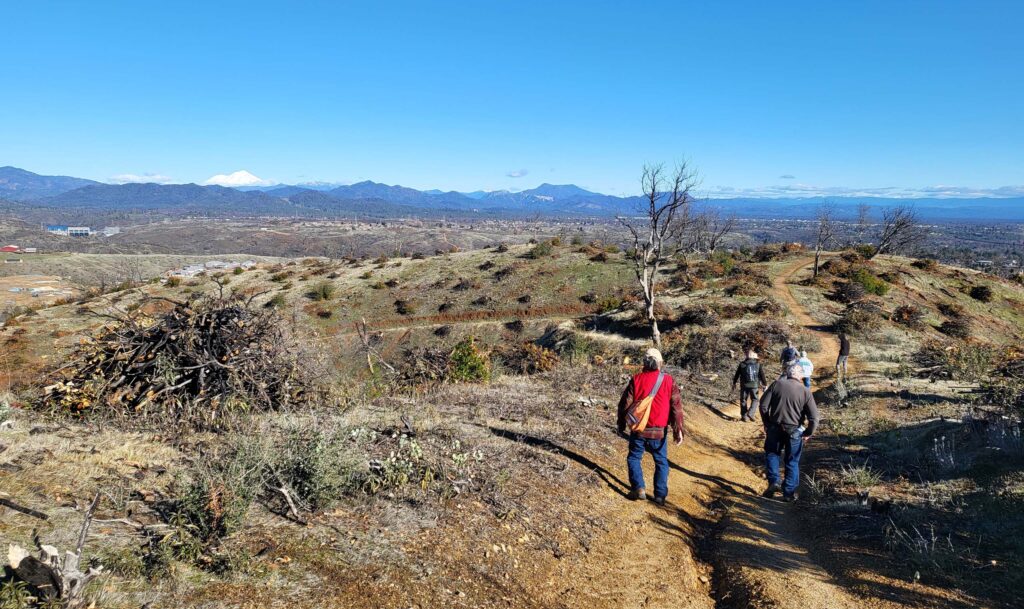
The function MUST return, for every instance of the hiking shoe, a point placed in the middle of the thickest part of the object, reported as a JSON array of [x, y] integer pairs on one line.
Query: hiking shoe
[[771, 491], [659, 501], [789, 498], [637, 494]]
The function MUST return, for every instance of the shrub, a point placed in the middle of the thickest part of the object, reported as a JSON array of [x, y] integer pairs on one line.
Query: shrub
[[404, 307], [486, 266], [315, 467], [529, 358], [377, 285], [589, 298], [323, 313], [849, 292], [238, 270], [467, 363], [909, 316], [576, 240], [516, 326], [925, 264], [767, 306], [216, 497], [173, 281], [761, 335], [541, 250], [865, 251], [321, 291], [744, 288], [958, 327], [502, 248], [687, 282], [871, 283], [524, 299], [599, 257], [859, 319], [608, 304], [699, 315], [981, 293], [466, 284], [700, 350], [366, 274], [962, 361], [442, 331], [951, 310], [276, 302], [577, 348]]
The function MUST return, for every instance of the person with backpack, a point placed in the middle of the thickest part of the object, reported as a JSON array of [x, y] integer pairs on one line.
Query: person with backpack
[[751, 376], [650, 404], [790, 417], [844, 355], [808, 366], [789, 355]]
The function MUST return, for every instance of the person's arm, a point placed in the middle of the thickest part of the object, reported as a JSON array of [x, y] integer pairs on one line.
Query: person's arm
[[762, 406], [676, 417], [736, 377], [624, 402], [761, 377], [811, 413]]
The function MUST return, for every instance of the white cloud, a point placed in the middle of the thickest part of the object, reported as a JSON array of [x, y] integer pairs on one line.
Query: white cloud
[[787, 177], [807, 190], [144, 178], [518, 173], [238, 178]]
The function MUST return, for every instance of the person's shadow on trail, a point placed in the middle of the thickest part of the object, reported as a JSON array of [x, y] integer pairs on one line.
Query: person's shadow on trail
[[614, 482], [735, 488]]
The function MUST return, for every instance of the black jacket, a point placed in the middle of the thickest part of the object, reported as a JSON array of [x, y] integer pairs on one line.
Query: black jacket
[[790, 404], [762, 379]]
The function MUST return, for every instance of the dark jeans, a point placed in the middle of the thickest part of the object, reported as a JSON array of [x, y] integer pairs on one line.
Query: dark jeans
[[748, 402], [807, 382], [778, 443], [659, 450]]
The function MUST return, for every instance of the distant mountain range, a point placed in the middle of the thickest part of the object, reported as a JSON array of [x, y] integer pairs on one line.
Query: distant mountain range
[[54, 195]]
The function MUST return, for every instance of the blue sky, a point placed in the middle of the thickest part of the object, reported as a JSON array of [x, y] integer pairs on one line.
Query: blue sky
[[760, 97]]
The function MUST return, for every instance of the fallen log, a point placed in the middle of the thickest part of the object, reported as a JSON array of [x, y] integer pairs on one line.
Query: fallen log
[[24, 510]]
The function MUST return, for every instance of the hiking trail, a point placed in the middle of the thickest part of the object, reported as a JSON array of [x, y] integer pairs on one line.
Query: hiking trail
[[716, 541]]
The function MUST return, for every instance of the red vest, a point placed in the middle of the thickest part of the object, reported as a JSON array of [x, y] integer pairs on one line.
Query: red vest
[[642, 385]]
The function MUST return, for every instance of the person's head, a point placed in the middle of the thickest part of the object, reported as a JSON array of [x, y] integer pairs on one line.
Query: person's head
[[789, 342], [751, 354], [796, 371], [653, 359], [803, 353]]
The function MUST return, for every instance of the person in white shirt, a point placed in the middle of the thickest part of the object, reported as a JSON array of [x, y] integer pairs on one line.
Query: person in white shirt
[[808, 367]]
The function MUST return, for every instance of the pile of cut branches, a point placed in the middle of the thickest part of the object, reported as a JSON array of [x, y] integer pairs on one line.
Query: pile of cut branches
[[205, 358]]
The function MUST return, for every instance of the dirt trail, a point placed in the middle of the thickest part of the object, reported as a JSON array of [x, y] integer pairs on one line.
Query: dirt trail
[[763, 556]]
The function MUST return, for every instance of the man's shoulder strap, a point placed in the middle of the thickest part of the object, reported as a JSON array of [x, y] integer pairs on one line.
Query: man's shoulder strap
[[657, 385]]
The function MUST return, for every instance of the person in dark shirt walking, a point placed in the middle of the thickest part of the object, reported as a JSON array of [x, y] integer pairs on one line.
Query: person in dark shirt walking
[[790, 417], [750, 375], [844, 355]]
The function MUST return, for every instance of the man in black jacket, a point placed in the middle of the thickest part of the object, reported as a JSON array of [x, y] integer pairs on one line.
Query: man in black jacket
[[790, 417], [750, 375]]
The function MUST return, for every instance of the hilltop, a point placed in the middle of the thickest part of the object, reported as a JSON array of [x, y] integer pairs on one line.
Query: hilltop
[[464, 453]]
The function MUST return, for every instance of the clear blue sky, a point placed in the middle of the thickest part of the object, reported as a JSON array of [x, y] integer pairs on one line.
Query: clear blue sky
[[458, 95]]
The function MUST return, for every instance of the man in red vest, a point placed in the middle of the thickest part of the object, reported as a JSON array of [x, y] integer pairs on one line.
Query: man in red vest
[[666, 410]]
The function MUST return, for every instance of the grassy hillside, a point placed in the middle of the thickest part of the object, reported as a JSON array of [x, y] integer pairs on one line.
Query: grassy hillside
[[487, 472]]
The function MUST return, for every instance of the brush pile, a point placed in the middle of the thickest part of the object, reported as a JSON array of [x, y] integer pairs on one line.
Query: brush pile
[[201, 360]]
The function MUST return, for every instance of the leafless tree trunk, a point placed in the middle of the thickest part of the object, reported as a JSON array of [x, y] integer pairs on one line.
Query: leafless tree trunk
[[826, 232], [657, 233], [863, 220], [709, 228], [900, 230]]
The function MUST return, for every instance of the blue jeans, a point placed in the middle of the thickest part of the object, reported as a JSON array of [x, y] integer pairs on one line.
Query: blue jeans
[[779, 442], [659, 450]]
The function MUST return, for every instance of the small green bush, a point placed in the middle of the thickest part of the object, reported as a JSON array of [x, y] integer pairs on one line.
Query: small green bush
[[276, 302], [173, 282], [541, 250], [467, 363], [238, 270], [405, 307], [871, 283], [322, 291]]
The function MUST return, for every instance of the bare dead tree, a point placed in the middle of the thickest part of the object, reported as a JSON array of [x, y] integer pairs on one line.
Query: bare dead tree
[[825, 234], [900, 230], [708, 230], [863, 221], [658, 232]]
